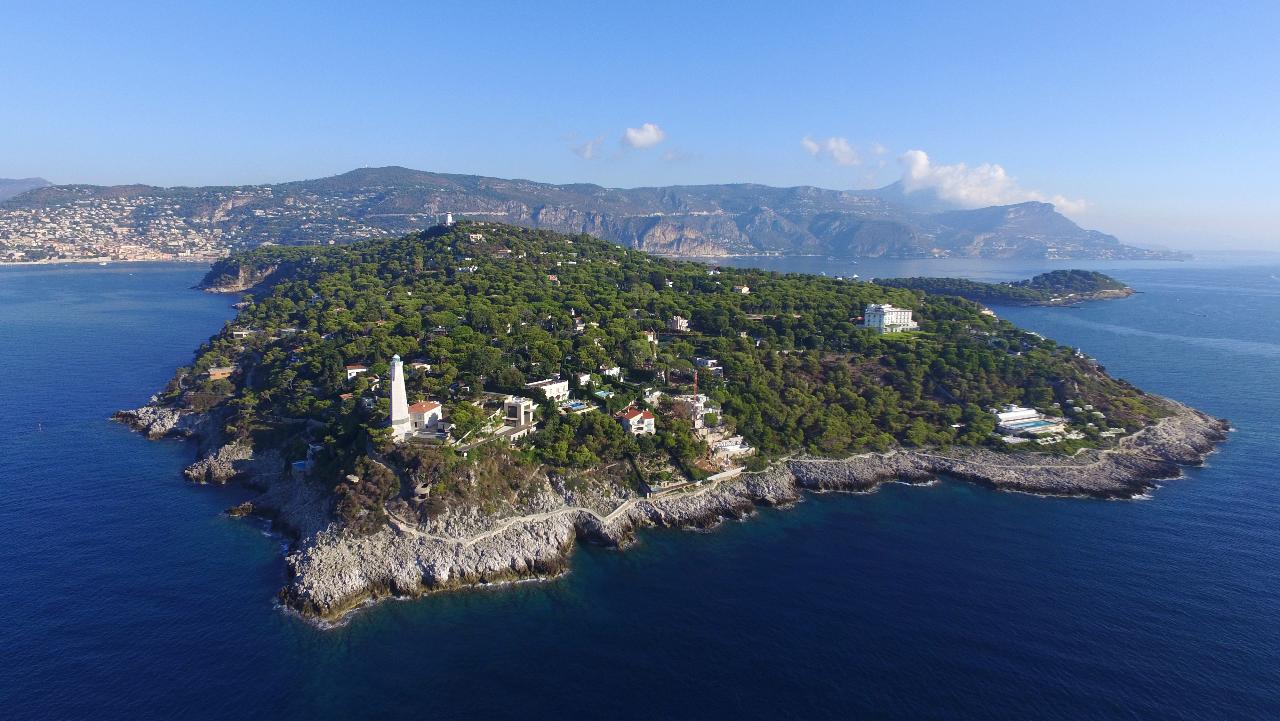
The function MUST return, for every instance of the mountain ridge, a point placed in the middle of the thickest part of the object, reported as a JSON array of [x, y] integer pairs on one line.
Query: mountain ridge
[[680, 220]]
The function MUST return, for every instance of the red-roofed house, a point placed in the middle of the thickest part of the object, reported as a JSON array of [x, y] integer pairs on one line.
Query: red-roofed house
[[637, 421], [355, 370], [425, 415]]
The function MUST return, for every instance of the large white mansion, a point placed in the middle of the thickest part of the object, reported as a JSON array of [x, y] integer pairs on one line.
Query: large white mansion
[[887, 319]]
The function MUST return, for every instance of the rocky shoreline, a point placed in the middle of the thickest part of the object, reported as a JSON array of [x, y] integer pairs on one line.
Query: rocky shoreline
[[333, 572], [1078, 298]]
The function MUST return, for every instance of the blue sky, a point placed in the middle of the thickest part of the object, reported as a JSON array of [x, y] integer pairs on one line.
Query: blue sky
[[1154, 121]]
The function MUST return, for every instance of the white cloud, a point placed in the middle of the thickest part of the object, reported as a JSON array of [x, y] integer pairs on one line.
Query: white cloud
[[836, 148], [645, 136], [588, 150], [980, 186], [878, 149]]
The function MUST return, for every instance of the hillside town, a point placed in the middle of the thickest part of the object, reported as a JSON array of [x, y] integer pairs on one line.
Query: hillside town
[[199, 225]]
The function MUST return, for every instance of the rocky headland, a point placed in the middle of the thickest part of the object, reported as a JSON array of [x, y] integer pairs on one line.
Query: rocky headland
[[333, 571]]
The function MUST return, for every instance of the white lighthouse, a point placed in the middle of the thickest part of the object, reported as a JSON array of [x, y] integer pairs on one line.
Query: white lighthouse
[[401, 424]]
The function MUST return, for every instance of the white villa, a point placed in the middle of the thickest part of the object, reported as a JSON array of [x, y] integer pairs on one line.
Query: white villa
[[554, 389], [678, 323], [638, 422], [885, 318], [710, 364], [732, 447], [425, 415]]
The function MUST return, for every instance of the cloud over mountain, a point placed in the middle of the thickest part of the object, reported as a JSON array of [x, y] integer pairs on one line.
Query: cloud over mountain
[[976, 187]]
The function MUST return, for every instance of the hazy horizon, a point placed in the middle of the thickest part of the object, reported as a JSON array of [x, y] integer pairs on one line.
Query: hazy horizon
[[1148, 122]]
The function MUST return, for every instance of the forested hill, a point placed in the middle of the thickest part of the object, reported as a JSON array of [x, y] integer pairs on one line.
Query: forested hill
[[10, 187], [1058, 287], [484, 308]]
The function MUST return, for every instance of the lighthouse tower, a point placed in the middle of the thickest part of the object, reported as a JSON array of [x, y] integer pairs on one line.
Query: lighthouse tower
[[400, 422]]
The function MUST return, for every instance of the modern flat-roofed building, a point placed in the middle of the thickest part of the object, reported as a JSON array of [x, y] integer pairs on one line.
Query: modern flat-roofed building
[[518, 411], [1019, 421], [885, 318]]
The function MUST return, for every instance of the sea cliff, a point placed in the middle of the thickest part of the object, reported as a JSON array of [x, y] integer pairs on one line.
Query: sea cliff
[[333, 571]]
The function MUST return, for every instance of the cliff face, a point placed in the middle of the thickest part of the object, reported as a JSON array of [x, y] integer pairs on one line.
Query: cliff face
[[232, 276]]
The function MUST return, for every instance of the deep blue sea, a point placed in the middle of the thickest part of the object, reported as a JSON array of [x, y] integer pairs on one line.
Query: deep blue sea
[[124, 594]]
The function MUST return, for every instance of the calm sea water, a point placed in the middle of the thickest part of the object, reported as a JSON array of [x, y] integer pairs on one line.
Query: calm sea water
[[124, 594]]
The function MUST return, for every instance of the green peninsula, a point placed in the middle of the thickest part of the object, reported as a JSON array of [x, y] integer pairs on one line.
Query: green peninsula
[[1058, 287], [458, 406]]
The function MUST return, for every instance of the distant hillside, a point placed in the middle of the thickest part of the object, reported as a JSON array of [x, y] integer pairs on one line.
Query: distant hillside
[[9, 187], [1059, 287], [703, 220]]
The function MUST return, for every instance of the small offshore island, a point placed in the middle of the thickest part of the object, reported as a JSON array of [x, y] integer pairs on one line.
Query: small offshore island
[[460, 406]]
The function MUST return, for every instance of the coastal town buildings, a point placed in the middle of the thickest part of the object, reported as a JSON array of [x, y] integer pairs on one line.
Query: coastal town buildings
[[678, 324], [885, 318], [201, 224]]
